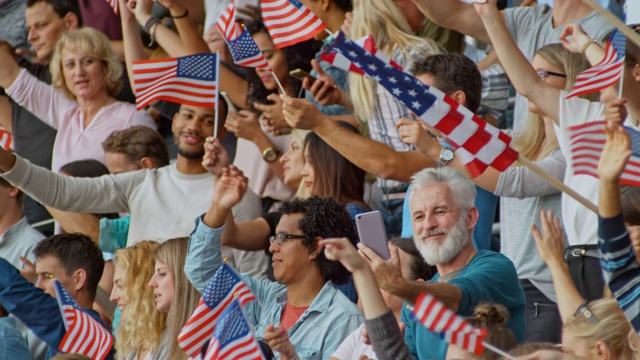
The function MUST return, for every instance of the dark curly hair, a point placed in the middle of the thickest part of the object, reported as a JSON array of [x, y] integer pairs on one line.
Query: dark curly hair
[[453, 72], [325, 218], [298, 56]]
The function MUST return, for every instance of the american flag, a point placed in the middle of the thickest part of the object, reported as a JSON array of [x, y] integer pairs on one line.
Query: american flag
[[607, 72], [191, 80], [452, 328], [486, 145], [220, 292], [114, 5], [586, 146], [243, 48], [84, 335], [342, 62], [6, 140], [233, 338], [227, 24], [289, 22]]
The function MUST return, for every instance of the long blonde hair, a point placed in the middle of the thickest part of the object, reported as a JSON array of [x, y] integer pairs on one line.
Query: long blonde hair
[[385, 21], [142, 325], [611, 327], [532, 141], [173, 253]]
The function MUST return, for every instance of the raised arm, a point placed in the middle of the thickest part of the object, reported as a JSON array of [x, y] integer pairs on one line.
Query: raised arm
[[454, 15], [74, 222], [369, 155], [522, 75], [132, 43]]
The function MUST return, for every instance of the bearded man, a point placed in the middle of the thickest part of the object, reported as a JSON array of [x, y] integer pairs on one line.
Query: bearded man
[[443, 218]]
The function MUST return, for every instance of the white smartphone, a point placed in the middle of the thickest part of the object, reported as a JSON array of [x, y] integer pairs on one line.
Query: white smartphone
[[372, 233], [230, 106]]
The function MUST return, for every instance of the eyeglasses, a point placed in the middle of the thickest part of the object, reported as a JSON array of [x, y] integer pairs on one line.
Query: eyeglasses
[[544, 74], [281, 237], [583, 310]]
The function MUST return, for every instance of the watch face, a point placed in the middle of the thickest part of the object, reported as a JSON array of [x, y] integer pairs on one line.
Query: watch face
[[270, 155], [446, 155]]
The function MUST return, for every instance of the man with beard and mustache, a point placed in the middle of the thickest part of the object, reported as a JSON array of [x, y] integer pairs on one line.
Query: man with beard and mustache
[[443, 217], [162, 202]]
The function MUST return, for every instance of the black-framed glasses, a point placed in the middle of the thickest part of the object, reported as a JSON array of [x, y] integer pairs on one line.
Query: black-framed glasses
[[544, 74], [279, 238]]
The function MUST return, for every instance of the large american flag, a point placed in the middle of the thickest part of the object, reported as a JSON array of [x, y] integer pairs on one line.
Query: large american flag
[[484, 144], [191, 80], [342, 62], [586, 146], [219, 293], [449, 326], [84, 334], [289, 22], [607, 72], [233, 338]]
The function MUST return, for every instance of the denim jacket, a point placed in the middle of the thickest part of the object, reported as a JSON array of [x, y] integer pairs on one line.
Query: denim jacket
[[38, 310], [320, 329]]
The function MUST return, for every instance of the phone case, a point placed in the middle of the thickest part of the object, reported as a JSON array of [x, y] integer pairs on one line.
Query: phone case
[[372, 233]]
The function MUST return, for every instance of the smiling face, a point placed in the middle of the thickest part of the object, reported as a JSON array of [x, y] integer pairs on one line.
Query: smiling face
[[292, 163], [163, 287], [84, 75], [45, 27], [191, 126], [291, 258], [275, 58], [308, 172], [117, 292], [558, 82]]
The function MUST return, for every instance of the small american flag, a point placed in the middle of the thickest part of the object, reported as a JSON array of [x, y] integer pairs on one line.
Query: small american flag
[[233, 338], [84, 334], [451, 327], [114, 5], [243, 48], [226, 23], [220, 292], [341, 62], [586, 146], [6, 140], [191, 80], [289, 22], [485, 144], [607, 72]]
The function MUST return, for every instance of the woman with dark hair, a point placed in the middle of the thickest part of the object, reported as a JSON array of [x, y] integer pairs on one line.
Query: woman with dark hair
[[302, 315], [327, 173]]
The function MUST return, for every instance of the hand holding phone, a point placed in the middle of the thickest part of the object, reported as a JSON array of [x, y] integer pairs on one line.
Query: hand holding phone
[[301, 74], [373, 234]]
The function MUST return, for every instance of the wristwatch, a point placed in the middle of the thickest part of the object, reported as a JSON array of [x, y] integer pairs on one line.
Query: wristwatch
[[446, 155], [270, 154]]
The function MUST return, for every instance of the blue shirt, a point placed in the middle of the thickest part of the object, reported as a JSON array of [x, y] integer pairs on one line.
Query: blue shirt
[[488, 277], [340, 77], [38, 310], [330, 318], [486, 204], [12, 344]]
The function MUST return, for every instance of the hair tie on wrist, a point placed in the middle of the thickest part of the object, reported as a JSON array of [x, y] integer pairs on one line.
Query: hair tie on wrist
[[186, 12], [586, 45], [153, 20]]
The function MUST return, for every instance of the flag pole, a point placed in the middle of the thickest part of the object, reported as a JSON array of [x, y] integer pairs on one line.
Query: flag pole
[[264, 310], [217, 94], [557, 183], [498, 351], [279, 84], [619, 24]]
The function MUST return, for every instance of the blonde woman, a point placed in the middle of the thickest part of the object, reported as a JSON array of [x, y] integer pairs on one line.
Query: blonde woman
[[173, 293], [522, 193], [80, 103], [141, 331]]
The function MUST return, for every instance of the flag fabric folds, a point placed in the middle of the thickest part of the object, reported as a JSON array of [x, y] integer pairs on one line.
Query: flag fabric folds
[[225, 285], [226, 23], [114, 5], [243, 48], [289, 22], [484, 144], [85, 335], [342, 62], [233, 338], [452, 328], [607, 72], [586, 146], [191, 80]]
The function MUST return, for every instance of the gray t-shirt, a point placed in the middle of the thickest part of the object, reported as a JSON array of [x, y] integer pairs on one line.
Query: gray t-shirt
[[531, 28]]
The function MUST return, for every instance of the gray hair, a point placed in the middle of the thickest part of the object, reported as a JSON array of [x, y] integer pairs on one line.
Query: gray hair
[[462, 188]]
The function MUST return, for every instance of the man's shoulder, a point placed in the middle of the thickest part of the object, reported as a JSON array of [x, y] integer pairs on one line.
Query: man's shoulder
[[484, 257]]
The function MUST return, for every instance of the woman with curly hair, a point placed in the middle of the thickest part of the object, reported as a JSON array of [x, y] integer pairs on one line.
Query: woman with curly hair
[[141, 331]]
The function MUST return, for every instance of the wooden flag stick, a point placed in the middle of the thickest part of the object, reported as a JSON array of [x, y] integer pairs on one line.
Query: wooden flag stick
[[278, 82], [632, 35], [557, 183]]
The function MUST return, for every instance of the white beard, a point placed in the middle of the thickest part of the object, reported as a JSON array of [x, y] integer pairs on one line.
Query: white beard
[[435, 252]]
